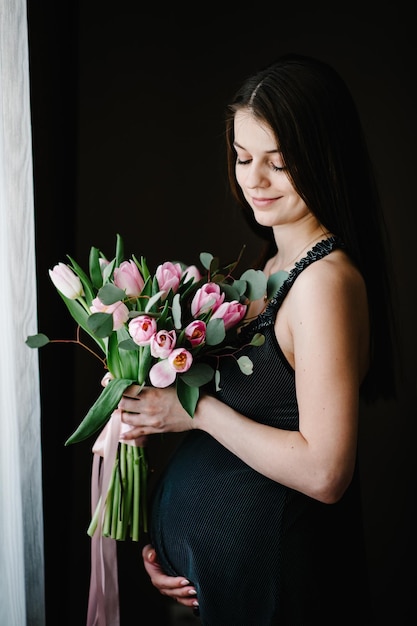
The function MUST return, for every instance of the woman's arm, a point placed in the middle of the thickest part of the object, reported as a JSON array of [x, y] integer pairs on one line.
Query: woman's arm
[[323, 329]]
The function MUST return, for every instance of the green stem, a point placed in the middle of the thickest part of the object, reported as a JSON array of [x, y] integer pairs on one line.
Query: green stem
[[121, 518], [115, 502], [136, 496], [129, 487], [108, 506]]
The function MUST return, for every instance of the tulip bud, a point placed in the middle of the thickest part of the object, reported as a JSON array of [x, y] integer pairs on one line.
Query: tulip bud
[[128, 277], [66, 281]]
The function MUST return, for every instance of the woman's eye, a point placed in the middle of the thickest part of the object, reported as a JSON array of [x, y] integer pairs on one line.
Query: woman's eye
[[242, 162], [276, 168]]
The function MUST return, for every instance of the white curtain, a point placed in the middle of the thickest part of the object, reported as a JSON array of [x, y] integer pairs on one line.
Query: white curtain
[[21, 519]]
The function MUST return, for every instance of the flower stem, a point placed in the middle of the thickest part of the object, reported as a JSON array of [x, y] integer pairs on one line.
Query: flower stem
[[136, 496], [121, 518]]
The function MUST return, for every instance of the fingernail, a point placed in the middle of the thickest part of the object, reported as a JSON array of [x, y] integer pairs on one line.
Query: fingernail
[[185, 582], [192, 592], [195, 603]]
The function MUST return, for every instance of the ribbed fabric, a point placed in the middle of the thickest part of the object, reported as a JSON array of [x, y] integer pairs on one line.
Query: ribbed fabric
[[259, 554]]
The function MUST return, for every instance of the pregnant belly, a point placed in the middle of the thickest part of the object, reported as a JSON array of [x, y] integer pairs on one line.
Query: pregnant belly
[[208, 506]]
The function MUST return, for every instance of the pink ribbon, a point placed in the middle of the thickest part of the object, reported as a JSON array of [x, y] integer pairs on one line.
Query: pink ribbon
[[103, 601]]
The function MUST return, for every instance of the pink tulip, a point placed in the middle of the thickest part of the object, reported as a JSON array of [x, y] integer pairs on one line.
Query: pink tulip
[[142, 329], [162, 343], [66, 281], [118, 310], [128, 277], [168, 276], [163, 374], [208, 297], [196, 332], [191, 273], [230, 312]]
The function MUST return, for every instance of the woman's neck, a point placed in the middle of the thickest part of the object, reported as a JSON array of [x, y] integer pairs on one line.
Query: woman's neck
[[293, 247]]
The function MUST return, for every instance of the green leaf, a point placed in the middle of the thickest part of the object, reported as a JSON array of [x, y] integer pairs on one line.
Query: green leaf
[[145, 361], [198, 375], [257, 340], [176, 311], [108, 271], [129, 358], [81, 316], [37, 341], [86, 282], [109, 294], [120, 253], [95, 270], [275, 281], [235, 290], [113, 357], [245, 365], [101, 410], [128, 344], [217, 380], [152, 301], [188, 396], [206, 259], [256, 284], [100, 324], [215, 332]]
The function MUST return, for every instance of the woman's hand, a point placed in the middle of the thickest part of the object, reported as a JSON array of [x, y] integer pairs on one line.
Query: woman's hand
[[150, 410], [176, 587]]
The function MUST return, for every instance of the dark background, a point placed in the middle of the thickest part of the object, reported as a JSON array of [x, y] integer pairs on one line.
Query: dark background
[[127, 117]]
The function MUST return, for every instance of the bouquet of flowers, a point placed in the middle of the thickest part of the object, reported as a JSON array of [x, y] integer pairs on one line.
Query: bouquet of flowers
[[167, 329]]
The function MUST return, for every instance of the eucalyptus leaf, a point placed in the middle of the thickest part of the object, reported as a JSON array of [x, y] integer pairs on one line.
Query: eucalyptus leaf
[[37, 341], [109, 294], [128, 344], [198, 375], [245, 365], [275, 281], [215, 332], [257, 340], [100, 324], [217, 380], [206, 259], [101, 410], [234, 291], [256, 284]]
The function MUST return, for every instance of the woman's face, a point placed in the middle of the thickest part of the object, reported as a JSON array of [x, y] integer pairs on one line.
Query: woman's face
[[261, 174]]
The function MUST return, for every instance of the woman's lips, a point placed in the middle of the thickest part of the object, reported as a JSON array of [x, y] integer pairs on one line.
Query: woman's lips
[[263, 202]]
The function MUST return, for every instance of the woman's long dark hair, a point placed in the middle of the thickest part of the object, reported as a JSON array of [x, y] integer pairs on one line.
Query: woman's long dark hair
[[313, 116]]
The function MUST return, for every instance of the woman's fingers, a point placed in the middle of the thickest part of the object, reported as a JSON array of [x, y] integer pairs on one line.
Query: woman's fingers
[[176, 587]]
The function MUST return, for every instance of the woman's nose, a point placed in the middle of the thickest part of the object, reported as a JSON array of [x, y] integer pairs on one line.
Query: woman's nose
[[255, 177]]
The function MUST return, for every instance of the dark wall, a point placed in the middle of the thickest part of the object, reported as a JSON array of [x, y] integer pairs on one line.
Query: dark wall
[[127, 115]]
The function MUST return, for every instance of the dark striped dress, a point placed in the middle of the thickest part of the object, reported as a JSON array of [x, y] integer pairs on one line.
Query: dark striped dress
[[259, 553]]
